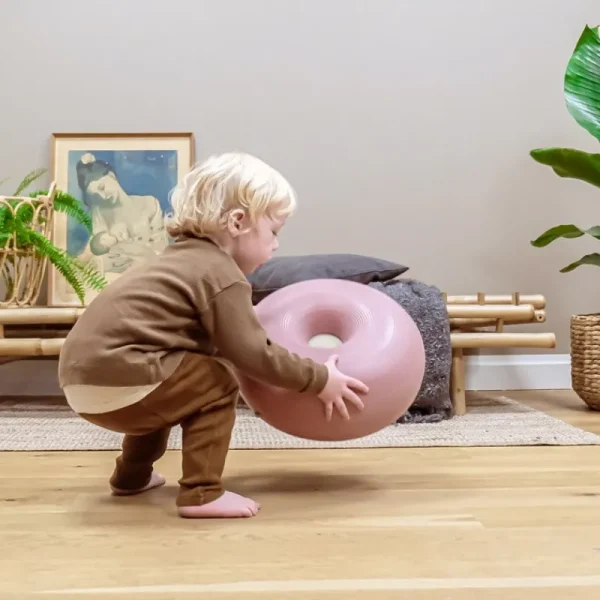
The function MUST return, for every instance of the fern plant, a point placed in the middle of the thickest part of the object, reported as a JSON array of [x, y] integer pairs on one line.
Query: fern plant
[[582, 97], [16, 223]]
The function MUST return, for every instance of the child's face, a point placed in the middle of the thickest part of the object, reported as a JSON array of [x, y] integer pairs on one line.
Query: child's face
[[256, 246]]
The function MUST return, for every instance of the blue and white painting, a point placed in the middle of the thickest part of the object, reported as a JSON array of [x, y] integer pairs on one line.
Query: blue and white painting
[[126, 193]]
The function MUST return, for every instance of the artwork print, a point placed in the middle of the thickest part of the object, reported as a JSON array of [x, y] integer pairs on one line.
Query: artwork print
[[124, 184]]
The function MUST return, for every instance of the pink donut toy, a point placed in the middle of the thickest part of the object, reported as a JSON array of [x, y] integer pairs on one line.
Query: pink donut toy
[[376, 341]]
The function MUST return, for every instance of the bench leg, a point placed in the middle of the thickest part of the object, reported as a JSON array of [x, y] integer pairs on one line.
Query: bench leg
[[3, 360], [457, 382]]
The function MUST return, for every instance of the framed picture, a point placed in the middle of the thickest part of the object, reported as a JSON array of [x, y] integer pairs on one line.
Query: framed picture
[[123, 180]]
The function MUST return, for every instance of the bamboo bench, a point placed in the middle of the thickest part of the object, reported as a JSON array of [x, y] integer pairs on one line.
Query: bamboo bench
[[476, 321]]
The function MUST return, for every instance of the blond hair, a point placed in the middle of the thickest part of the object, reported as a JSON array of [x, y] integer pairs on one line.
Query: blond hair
[[203, 200]]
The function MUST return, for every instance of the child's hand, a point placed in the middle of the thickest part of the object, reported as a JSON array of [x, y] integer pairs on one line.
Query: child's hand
[[337, 389]]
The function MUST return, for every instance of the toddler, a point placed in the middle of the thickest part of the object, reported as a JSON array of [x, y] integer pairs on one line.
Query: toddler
[[155, 348]]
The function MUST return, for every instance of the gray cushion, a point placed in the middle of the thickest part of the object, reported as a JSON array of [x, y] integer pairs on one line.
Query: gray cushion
[[285, 270]]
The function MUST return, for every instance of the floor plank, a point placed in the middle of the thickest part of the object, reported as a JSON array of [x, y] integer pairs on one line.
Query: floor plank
[[423, 523]]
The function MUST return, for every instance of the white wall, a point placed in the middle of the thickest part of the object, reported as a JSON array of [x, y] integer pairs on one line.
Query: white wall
[[404, 125]]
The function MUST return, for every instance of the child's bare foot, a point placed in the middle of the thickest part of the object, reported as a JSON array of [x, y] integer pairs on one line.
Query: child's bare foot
[[156, 480], [227, 506]]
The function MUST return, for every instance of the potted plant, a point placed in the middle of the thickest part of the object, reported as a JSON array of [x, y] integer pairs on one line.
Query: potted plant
[[582, 96], [26, 243]]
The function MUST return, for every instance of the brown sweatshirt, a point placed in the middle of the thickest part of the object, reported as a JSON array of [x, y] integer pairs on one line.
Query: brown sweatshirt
[[191, 298]]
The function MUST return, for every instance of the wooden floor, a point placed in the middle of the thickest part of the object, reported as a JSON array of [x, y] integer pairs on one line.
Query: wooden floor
[[423, 524]]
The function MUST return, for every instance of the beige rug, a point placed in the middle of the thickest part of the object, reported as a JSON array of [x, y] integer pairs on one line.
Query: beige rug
[[491, 421]]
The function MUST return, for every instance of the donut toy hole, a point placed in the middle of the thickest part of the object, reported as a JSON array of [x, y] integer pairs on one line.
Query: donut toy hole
[[324, 340], [329, 325]]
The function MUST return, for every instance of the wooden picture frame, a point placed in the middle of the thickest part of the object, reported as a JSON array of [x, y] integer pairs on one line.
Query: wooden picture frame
[[124, 180]]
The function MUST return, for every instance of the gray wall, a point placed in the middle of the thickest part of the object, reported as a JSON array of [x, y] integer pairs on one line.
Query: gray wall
[[405, 125]]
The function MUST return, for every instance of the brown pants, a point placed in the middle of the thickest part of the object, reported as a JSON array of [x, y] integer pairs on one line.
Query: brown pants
[[201, 396]]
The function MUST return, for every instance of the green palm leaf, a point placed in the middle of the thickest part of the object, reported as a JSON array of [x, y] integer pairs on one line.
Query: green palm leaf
[[4, 214], [568, 163], [59, 259], [68, 204], [71, 206], [76, 274], [90, 276], [589, 259], [582, 82], [79, 276], [564, 231], [582, 97], [29, 179], [24, 213]]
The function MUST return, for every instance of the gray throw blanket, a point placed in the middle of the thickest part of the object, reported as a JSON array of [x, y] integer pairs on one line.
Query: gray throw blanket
[[427, 307]]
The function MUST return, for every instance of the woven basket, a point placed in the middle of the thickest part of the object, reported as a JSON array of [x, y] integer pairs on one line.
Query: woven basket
[[22, 269], [585, 358]]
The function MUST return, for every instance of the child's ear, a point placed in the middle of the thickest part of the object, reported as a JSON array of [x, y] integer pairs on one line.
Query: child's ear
[[235, 220]]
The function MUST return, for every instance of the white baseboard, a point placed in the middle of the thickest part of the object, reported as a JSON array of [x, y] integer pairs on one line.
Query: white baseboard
[[518, 372], [484, 372]]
